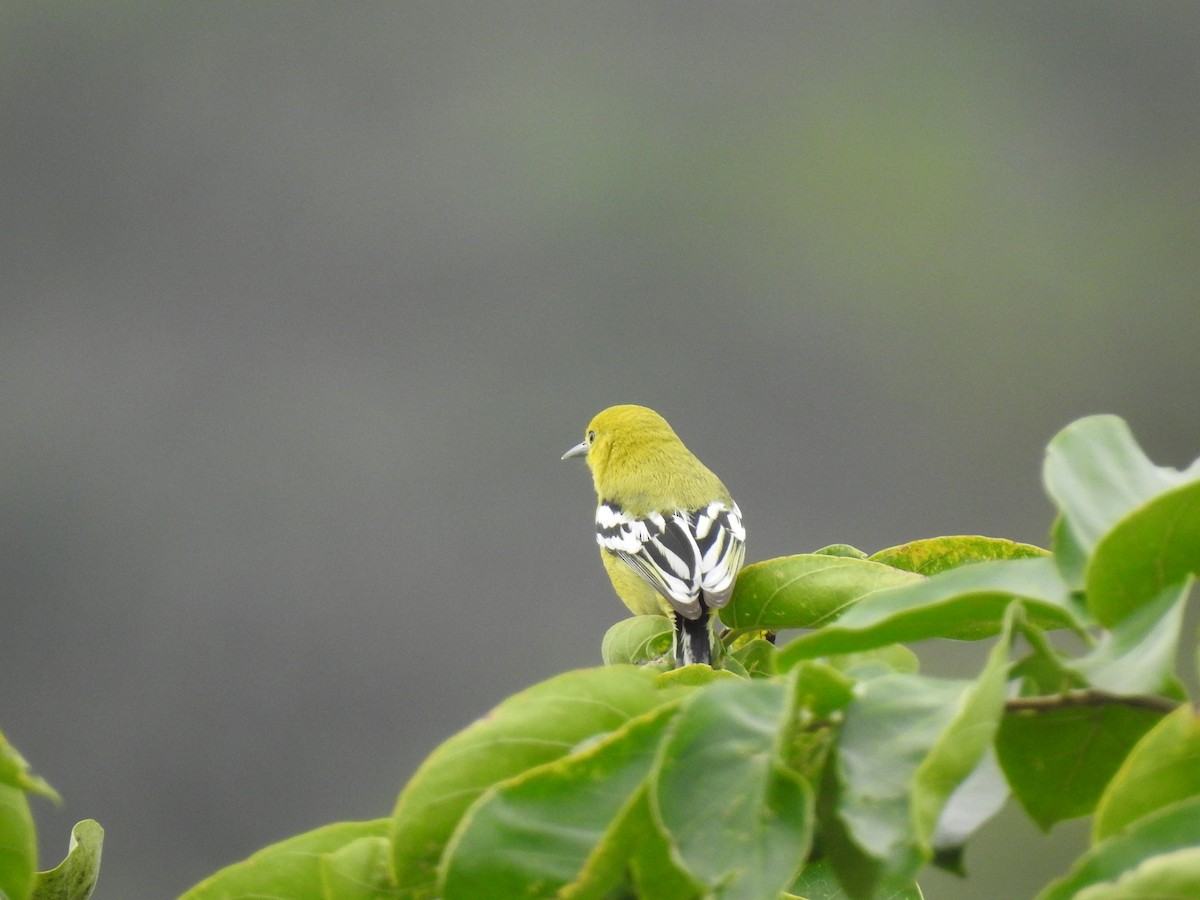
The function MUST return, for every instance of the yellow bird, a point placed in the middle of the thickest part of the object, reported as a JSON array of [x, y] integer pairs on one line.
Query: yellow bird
[[671, 537]]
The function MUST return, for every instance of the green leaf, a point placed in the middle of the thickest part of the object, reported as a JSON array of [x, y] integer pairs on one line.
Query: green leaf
[[636, 640], [818, 882], [533, 834], [1138, 655], [967, 603], [977, 799], [15, 772], [634, 861], [841, 550], [1058, 760], [907, 743], [1149, 845], [1116, 504], [738, 818], [804, 591], [1044, 670], [934, 555], [856, 869], [961, 747], [361, 870], [757, 657], [1163, 768], [1070, 556], [529, 729], [820, 693], [75, 877], [292, 868], [1154, 547], [693, 676], [1169, 875], [876, 661], [890, 729], [1096, 473], [821, 690], [18, 844]]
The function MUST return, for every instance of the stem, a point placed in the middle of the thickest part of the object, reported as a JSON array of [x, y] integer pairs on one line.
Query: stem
[[1089, 698]]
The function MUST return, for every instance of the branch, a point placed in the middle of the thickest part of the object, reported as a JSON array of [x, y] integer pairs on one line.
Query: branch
[[1089, 698]]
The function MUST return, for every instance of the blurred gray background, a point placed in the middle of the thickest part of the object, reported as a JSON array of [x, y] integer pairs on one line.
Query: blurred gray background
[[302, 303]]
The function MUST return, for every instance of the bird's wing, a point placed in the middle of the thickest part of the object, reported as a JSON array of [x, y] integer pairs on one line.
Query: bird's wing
[[684, 555]]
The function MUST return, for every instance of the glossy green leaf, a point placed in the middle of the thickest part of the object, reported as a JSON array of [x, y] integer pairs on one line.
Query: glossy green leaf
[[1096, 473], [961, 747], [841, 550], [805, 591], [934, 555], [361, 870], [859, 872], [16, 772], [876, 661], [889, 729], [636, 861], [1175, 876], [18, 844], [821, 689], [757, 658], [907, 744], [967, 603], [529, 729], [820, 694], [1154, 547], [75, 877], [1138, 655], [636, 640], [978, 797], [736, 814], [1164, 767], [1058, 760], [633, 860], [818, 882], [1045, 669], [533, 834], [1069, 554], [1150, 843], [693, 676], [289, 870], [1114, 505]]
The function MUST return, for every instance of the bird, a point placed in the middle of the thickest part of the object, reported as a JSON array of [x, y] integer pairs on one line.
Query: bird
[[671, 537]]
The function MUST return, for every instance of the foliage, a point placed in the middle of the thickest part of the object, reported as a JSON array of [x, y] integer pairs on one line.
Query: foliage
[[75, 876], [817, 761]]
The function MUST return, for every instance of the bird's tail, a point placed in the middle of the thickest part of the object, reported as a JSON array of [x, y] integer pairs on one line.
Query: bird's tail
[[694, 638]]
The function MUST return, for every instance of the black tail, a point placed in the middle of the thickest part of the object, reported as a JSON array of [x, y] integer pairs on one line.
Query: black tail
[[693, 640]]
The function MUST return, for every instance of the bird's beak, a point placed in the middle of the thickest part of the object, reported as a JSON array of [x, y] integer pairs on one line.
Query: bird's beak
[[579, 449]]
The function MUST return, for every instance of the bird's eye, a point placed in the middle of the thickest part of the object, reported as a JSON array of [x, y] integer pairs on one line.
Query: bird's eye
[[591, 437]]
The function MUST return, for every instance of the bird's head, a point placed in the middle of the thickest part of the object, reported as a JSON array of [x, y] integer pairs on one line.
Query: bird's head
[[622, 439]]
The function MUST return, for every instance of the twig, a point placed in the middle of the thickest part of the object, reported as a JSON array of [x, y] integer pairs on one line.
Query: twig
[[1089, 698]]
